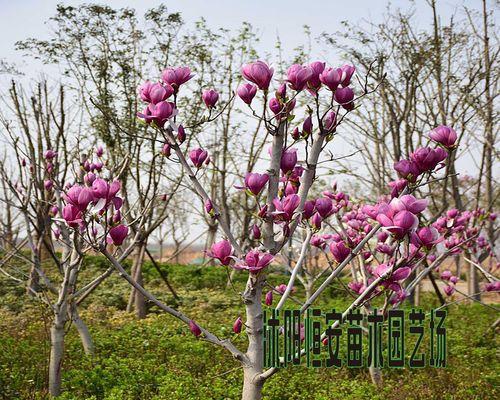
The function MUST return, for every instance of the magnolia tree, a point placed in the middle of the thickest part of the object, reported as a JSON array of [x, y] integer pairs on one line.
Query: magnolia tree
[[383, 244]]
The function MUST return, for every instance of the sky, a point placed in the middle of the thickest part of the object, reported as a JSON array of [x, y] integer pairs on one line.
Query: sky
[[21, 19]]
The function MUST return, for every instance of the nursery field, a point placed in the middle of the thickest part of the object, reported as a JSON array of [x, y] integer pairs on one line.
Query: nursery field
[[158, 357]]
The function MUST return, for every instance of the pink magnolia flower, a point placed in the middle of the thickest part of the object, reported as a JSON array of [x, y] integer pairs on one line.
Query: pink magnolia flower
[[198, 157], [318, 241], [259, 73], [210, 98], [444, 135], [397, 187], [144, 90], [392, 281], [222, 251], [108, 192], [449, 290], [247, 92], [255, 261], [399, 223], [339, 251], [99, 151], [158, 92], [238, 324], [79, 196], [194, 328], [72, 215], [409, 203], [446, 275], [254, 182], [256, 232], [118, 234], [344, 96], [298, 75], [49, 154], [269, 298], [330, 121], [176, 76], [288, 160], [347, 73], [160, 113], [314, 83], [356, 287], [48, 184], [331, 78], [285, 207], [427, 237]]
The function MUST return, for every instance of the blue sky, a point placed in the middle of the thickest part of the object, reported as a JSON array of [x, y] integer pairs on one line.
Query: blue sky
[[26, 18]]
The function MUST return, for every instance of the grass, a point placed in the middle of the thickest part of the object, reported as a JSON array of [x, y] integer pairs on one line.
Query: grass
[[158, 358]]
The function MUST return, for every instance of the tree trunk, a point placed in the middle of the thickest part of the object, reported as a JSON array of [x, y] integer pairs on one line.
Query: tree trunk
[[252, 387], [56, 356], [83, 331], [136, 299]]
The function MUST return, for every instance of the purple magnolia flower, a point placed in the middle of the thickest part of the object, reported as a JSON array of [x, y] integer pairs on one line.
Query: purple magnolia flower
[[275, 106], [222, 251], [298, 75], [331, 78], [238, 324], [255, 182], [307, 126], [288, 160], [259, 73], [99, 151], [247, 92], [118, 234], [255, 261], [308, 209], [198, 157], [339, 251], [181, 134], [314, 82], [194, 328], [316, 221], [427, 159], [407, 169], [324, 206], [176, 76], [210, 97], [444, 135], [285, 207]]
